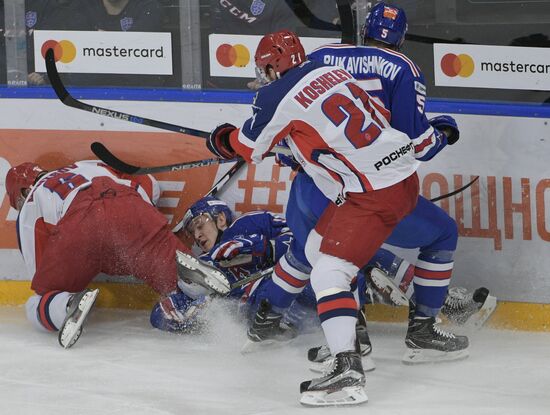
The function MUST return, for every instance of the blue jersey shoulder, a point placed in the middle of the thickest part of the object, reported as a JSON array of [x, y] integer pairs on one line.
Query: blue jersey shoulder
[[389, 75]]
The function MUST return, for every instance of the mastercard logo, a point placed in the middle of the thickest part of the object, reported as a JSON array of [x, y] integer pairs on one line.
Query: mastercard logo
[[233, 55], [457, 65], [64, 50]]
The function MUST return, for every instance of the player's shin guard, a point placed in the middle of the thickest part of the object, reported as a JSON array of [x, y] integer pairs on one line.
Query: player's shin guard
[[431, 280]]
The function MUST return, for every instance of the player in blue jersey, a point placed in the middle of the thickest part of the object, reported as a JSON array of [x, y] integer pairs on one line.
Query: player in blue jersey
[[398, 82], [242, 247]]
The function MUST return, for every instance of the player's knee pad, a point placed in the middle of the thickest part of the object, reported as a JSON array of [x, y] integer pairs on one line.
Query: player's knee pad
[[291, 276], [331, 275], [48, 311], [313, 246]]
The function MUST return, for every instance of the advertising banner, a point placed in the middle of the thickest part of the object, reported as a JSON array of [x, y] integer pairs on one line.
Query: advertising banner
[[483, 66], [503, 218], [105, 52]]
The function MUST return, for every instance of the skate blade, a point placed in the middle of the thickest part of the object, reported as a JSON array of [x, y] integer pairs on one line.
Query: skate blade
[[381, 280], [353, 395], [326, 365], [72, 330], [478, 319], [202, 274], [419, 356]]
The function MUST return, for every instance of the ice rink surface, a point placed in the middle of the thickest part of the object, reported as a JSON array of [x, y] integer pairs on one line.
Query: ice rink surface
[[121, 365]]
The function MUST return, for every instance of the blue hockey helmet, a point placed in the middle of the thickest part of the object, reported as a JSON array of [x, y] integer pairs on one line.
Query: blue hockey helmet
[[207, 205], [385, 23]]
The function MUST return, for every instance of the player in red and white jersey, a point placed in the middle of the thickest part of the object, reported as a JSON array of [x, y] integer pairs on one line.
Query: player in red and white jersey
[[342, 139], [81, 220]]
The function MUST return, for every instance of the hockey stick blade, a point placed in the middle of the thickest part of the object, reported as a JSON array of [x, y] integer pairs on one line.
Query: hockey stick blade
[[67, 99], [113, 161], [110, 159], [253, 277]]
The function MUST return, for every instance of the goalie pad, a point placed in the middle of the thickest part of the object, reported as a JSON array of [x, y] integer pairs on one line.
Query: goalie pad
[[201, 273]]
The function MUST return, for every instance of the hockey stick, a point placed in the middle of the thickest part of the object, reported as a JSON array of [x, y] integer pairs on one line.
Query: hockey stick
[[68, 100], [110, 159], [253, 277], [454, 192]]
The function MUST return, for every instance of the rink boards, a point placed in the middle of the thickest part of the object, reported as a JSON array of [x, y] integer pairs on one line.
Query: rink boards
[[503, 219]]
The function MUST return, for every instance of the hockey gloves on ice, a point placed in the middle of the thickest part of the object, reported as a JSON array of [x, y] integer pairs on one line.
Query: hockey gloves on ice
[[447, 125], [218, 141]]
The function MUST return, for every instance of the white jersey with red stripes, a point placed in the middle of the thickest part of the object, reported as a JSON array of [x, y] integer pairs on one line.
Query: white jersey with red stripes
[[51, 197], [336, 131]]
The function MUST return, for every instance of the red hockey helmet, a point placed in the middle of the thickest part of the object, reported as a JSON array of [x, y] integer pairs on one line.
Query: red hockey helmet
[[281, 50], [21, 177]]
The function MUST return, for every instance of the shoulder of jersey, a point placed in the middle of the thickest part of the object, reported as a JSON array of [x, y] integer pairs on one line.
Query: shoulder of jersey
[[398, 56]]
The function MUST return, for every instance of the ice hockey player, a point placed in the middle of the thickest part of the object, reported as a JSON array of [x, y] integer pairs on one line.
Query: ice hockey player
[[428, 227], [77, 221], [254, 242], [242, 247], [366, 168]]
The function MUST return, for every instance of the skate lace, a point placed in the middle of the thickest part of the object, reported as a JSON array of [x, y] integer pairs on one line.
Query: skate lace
[[440, 332], [457, 298]]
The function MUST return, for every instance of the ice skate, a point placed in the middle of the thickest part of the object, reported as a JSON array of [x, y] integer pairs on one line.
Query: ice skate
[[267, 330], [78, 307], [385, 287], [343, 385], [200, 272], [427, 343], [321, 361], [469, 309]]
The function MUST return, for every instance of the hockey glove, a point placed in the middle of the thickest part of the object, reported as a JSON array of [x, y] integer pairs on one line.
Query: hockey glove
[[447, 125], [218, 141], [284, 160], [173, 306], [240, 250]]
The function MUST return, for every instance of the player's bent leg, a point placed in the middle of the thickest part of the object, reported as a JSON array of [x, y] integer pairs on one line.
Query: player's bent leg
[[344, 382], [47, 312]]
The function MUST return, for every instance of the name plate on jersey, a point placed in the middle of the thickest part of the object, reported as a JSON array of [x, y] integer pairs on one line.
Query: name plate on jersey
[[105, 52], [233, 55], [484, 66]]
